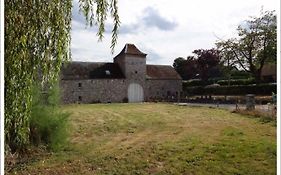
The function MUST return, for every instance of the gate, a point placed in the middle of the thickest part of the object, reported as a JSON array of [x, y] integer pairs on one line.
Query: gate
[[135, 93]]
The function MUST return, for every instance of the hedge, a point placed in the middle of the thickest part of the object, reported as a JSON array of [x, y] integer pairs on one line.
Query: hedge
[[237, 82], [199, 82], [260, 89]]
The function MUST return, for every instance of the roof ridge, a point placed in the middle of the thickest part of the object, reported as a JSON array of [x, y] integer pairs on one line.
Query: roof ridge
[[160, 65]]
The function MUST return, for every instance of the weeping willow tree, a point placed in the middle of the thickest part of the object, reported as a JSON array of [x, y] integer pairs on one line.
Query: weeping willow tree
[[37, 41]]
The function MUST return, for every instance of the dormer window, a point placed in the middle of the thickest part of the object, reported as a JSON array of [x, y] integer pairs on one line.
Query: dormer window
[[107, 72]]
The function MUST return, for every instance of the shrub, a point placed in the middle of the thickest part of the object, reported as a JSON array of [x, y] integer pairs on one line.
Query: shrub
[[220, 81], [196, 82], [260, 89], [48, 124], [237, 81]]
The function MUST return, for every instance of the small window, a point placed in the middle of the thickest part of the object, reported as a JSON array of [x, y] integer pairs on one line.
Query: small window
[[79, 85], [80, 98], [136, 72]]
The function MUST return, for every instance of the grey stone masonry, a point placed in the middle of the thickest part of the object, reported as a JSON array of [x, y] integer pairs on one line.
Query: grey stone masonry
[[162, 89], [128, 77], [94, 91]]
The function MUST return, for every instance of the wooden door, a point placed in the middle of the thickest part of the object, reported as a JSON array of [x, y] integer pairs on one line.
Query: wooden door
[[135, 93]]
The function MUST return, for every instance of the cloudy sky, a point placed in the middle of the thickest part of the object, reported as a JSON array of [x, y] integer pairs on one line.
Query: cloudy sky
[[165, 29]]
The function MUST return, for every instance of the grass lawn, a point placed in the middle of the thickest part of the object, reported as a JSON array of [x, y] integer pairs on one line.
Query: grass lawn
[[160, 139]]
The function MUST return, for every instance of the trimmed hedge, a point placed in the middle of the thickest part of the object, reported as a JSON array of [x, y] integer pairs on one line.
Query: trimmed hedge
[[222, 82], [237, 82], [197, 82], [260, 89]]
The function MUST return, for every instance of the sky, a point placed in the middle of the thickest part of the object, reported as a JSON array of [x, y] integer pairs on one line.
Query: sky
[[164, 29]]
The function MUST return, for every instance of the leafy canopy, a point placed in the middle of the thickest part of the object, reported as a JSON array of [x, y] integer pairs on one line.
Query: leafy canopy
[[254, 46], [37, 42]]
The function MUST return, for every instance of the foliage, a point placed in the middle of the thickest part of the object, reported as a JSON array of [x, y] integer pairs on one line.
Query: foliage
[[196, 82], [255, 45], [237, 82], [208, 63], [186, 68], [37, 42], [220, 81], [96, 13], [48, 124], [204, 64], [260, 89]]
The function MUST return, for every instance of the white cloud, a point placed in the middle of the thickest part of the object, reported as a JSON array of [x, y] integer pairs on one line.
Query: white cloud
[[166, 29]]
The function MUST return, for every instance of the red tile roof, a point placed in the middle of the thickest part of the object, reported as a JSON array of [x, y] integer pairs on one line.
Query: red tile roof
[[161, 72], [131, 49]]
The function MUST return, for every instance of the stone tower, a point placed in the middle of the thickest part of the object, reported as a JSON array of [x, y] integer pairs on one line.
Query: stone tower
[[133, 65]]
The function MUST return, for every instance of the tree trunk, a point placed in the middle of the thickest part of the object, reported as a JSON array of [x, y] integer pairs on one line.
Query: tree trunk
[[257, 76]]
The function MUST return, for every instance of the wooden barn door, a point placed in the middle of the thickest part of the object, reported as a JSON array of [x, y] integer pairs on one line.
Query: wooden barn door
[[135, 93]]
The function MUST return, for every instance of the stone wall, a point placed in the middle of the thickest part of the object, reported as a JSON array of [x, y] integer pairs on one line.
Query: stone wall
[[93, 91], [116, 90], [135, 70], [120, 60], [162, 89]]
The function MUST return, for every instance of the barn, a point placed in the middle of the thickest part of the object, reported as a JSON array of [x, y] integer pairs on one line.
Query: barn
[[127, 79]]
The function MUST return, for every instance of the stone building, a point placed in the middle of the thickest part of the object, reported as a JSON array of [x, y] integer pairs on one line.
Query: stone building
[[127, 79]]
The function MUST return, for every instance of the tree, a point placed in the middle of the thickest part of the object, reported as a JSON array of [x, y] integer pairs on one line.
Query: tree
[[254, 46], [204, 64], [208, 63], [186, 68], [37, 41]]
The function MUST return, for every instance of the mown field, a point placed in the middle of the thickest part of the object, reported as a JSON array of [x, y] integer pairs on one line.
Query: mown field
[[159, 139]]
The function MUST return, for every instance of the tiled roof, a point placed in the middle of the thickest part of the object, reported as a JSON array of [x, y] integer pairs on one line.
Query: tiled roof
[[91, 70], [161, 72], [131, 49]]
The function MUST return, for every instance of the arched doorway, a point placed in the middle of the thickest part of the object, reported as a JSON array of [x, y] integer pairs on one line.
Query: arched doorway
[[135, 93]]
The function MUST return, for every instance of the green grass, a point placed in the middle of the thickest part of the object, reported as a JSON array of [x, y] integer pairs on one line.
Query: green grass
[[159, 139]]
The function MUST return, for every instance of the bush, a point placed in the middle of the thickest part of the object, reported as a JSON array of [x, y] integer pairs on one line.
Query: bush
[[260, 89], [220, 81], [196, 82], [237, 82], [236, 74], [48, 124]]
